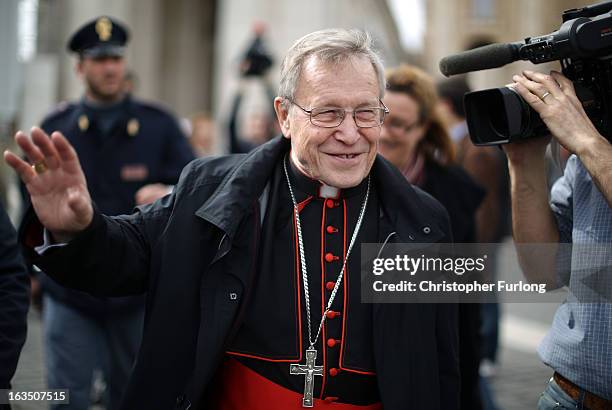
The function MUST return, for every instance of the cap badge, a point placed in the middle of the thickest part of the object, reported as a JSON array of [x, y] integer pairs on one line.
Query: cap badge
[[104, 28]]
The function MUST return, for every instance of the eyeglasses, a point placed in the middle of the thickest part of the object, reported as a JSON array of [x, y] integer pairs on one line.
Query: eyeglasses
[[330, 117], [397, 126]]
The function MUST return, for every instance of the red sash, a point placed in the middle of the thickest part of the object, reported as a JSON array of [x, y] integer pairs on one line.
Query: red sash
[[241, 388]]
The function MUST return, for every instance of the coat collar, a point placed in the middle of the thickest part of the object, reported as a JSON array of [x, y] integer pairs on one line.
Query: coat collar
[[411, 216], [243, 186]]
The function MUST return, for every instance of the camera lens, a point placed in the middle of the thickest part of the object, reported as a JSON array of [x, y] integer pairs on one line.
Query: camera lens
[[486, 117], [498, 116]]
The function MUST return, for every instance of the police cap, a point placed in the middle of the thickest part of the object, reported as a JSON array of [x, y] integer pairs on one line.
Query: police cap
[[102, 37]]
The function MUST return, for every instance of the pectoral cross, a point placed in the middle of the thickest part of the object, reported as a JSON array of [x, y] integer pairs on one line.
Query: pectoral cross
[[310, 370]]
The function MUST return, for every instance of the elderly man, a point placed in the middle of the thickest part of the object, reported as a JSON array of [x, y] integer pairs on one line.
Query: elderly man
[[252, 263]]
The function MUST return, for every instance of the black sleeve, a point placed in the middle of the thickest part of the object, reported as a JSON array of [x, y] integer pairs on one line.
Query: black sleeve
[[115, 252], [14, 300]]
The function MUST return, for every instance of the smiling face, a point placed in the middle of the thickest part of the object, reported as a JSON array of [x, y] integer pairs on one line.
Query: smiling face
[[341, 156], [402, 131]]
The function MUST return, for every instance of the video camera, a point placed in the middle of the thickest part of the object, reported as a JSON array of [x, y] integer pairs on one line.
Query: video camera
[[583, 45]]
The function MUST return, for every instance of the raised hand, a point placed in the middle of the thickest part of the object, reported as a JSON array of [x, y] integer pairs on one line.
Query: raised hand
[[55, 181]]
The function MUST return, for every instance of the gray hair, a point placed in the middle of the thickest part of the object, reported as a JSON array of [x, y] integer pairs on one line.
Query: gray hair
[[333, 46]]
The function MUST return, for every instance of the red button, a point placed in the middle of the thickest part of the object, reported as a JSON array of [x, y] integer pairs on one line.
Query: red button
[[330, 257], [332, 342], [334, 372], [329, 203], [330, 399], [332, 315], [330, 286], [331, 229]]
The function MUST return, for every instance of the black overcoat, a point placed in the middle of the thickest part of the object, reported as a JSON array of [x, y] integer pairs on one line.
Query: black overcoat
[[194, 253]]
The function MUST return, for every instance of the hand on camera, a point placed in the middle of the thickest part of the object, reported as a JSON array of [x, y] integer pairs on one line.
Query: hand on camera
[[553, 97]]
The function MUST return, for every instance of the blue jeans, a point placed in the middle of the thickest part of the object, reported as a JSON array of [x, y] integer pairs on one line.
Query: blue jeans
[[554, 398], [76, 344]]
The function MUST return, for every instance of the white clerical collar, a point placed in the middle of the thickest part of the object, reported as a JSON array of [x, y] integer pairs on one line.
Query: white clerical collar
[[327, 191]]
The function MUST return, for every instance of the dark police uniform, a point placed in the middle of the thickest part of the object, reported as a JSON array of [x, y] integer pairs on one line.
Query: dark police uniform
[[122, 147]]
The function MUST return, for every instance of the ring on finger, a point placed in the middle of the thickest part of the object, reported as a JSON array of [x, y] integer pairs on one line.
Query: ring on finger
[[39, 167], [546, 94]]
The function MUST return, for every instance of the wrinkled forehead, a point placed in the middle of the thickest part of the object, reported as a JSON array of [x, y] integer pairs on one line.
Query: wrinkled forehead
[[342, 76]]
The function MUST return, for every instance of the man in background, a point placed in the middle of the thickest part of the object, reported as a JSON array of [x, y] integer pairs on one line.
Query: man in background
[[564, 240], [486, 166], [260, 124]]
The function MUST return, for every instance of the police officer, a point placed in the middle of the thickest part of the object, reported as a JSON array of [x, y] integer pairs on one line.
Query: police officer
[[124, 145]]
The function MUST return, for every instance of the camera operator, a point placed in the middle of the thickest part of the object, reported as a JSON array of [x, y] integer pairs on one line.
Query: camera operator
[[578, 347]]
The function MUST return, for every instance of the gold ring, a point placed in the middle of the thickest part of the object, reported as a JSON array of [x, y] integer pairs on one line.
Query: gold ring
[[546, 94], [39, 167]]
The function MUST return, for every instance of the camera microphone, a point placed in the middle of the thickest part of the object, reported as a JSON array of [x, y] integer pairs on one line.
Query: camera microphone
[[481, 58], [583, 46]]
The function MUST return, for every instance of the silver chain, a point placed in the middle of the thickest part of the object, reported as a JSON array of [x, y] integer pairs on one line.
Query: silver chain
[[303, 257]]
